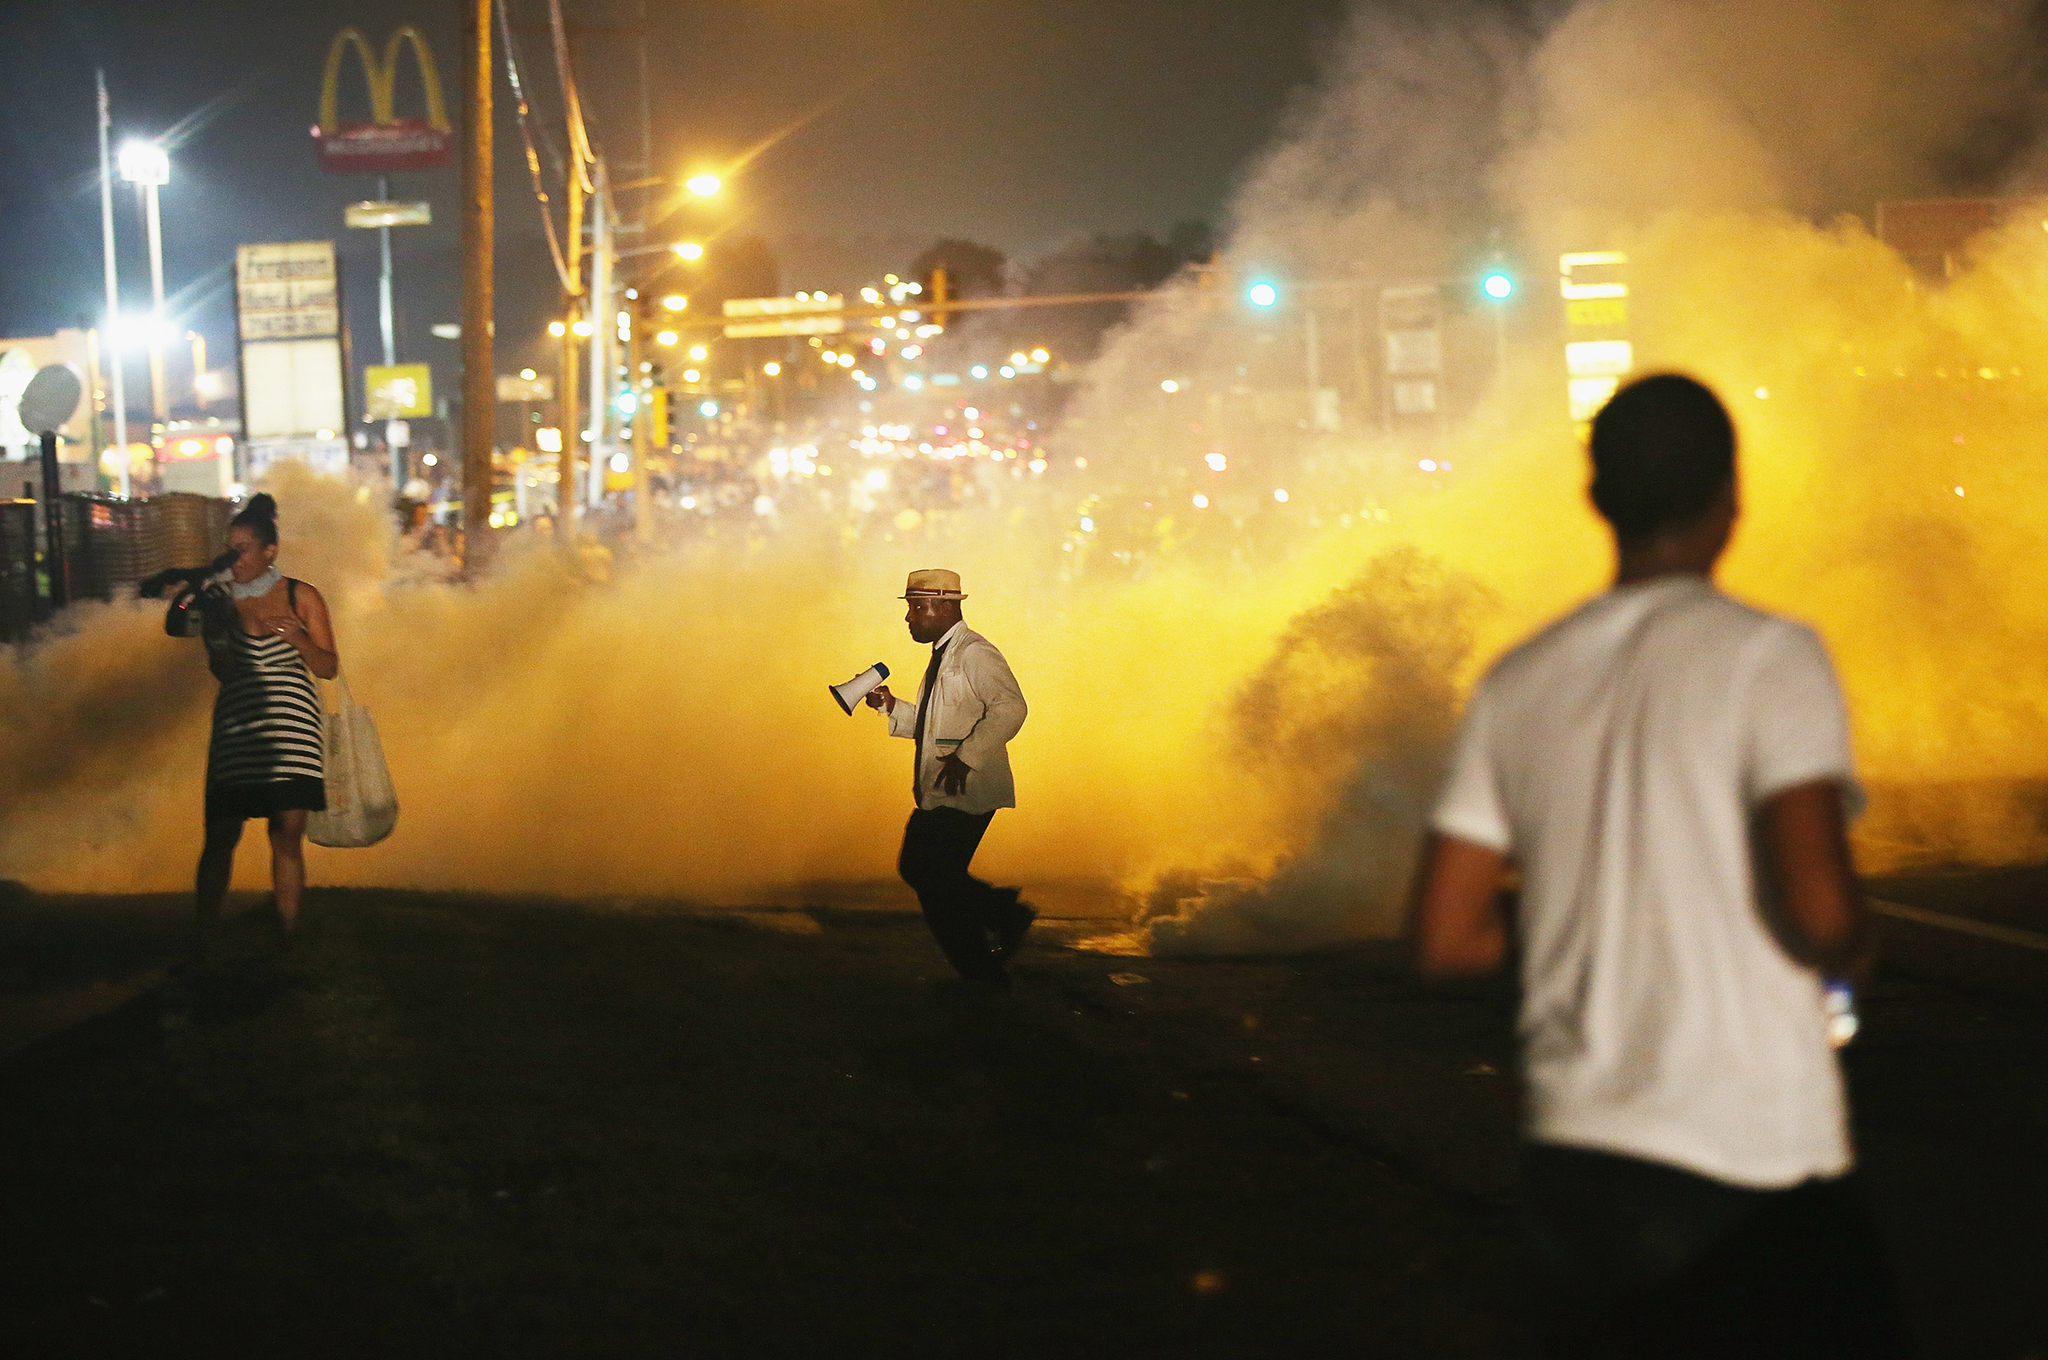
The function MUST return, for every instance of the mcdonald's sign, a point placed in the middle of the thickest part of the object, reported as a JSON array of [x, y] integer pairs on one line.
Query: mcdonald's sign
[[387, 142]]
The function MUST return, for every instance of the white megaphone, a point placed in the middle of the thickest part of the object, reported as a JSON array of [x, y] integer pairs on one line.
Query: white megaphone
[[856, 689]]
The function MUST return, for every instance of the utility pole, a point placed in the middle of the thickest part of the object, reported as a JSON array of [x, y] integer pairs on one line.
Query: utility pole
[[567, 491], [479, 394], [602, 323], [643, 420], [113, 322]]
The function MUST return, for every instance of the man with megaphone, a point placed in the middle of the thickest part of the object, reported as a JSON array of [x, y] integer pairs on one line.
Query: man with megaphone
[[966, 711]]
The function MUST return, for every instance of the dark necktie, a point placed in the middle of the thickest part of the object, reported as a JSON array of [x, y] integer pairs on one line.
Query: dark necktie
[[924, 708]]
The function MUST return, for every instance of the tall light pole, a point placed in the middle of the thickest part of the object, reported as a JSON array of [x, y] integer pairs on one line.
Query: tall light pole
[[147, 166], [386, 329], [112, 328]]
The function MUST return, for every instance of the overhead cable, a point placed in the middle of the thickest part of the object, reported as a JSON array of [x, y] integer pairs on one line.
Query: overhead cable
[[580, 154], [547, 216]]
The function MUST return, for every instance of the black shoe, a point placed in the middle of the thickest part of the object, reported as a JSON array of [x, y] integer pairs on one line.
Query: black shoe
[[1010, 933]]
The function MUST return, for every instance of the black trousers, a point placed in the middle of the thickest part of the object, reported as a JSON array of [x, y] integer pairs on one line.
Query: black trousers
[[961, 910], [1634, 1258]]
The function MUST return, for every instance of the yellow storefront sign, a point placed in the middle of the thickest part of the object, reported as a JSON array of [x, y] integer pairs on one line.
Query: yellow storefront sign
[[398, 391]]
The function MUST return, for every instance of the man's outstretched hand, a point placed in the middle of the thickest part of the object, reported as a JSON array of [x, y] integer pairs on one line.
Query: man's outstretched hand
[[953, 773], [880, 697]]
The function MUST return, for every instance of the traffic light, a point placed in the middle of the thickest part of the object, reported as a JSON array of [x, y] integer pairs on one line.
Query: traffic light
[[1262, 294]]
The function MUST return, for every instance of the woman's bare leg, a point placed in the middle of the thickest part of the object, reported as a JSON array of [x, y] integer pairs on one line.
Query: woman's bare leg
[[288, 864], [216, 865]]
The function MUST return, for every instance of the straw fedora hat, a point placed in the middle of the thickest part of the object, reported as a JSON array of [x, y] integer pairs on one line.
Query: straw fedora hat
[[933, 583]]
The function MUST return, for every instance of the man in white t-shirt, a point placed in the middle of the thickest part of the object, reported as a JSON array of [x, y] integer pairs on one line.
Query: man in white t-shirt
[[1669, 772]]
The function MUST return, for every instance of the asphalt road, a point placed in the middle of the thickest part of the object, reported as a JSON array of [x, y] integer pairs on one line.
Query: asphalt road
[[475, 1126]]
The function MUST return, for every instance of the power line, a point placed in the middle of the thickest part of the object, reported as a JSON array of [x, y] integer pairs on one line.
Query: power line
[[540, 193]]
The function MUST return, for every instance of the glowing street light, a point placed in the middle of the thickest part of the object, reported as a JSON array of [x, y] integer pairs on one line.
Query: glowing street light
[[557, 329], [688, 250], [771, 368], [145, 163], [1498, 284], [1262, 295], [582, 328], [699, 353], [147, 166], [665, 338], [704, 186], [675, 302]]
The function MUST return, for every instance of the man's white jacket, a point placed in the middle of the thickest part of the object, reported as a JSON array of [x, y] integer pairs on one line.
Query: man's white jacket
[[976, 708]]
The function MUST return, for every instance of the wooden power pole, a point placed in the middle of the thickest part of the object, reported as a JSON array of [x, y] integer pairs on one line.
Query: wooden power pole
[[479, 362]]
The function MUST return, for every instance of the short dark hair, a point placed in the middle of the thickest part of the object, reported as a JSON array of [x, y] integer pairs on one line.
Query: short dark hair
[[259, 517], [1663, 449]]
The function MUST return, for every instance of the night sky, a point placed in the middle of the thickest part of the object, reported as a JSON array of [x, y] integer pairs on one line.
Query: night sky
[[1024, 125]]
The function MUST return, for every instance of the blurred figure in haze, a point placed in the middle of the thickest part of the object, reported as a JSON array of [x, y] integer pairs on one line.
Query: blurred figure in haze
[[967, 709], [1670, 772]]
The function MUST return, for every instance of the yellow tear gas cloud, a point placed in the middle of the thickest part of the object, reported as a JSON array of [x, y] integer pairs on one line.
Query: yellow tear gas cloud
[[668, 733]]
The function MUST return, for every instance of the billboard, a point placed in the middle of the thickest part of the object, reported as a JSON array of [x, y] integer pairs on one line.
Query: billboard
[[813, 314], [294, 393], [387, 142], [286, 290]]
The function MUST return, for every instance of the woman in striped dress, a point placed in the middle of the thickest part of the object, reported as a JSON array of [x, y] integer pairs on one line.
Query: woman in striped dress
[[264, 760]]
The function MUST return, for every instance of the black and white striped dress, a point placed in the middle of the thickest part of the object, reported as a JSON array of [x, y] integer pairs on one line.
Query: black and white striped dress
[[265, 754]]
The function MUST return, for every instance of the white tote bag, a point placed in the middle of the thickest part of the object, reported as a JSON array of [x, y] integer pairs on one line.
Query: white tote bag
[[362, 806]]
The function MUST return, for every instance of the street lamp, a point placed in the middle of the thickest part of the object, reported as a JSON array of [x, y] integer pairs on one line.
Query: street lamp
[[688, 250], [703, 186], [147, 166]]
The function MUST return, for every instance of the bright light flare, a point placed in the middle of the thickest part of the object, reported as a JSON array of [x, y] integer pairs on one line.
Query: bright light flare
[[704, 186], [675, 302], [1262, 295], [771, 368], [688, 250], [144, 163]]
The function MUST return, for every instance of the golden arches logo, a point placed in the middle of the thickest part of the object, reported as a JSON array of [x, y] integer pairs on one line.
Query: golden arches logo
[[382, 77]]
